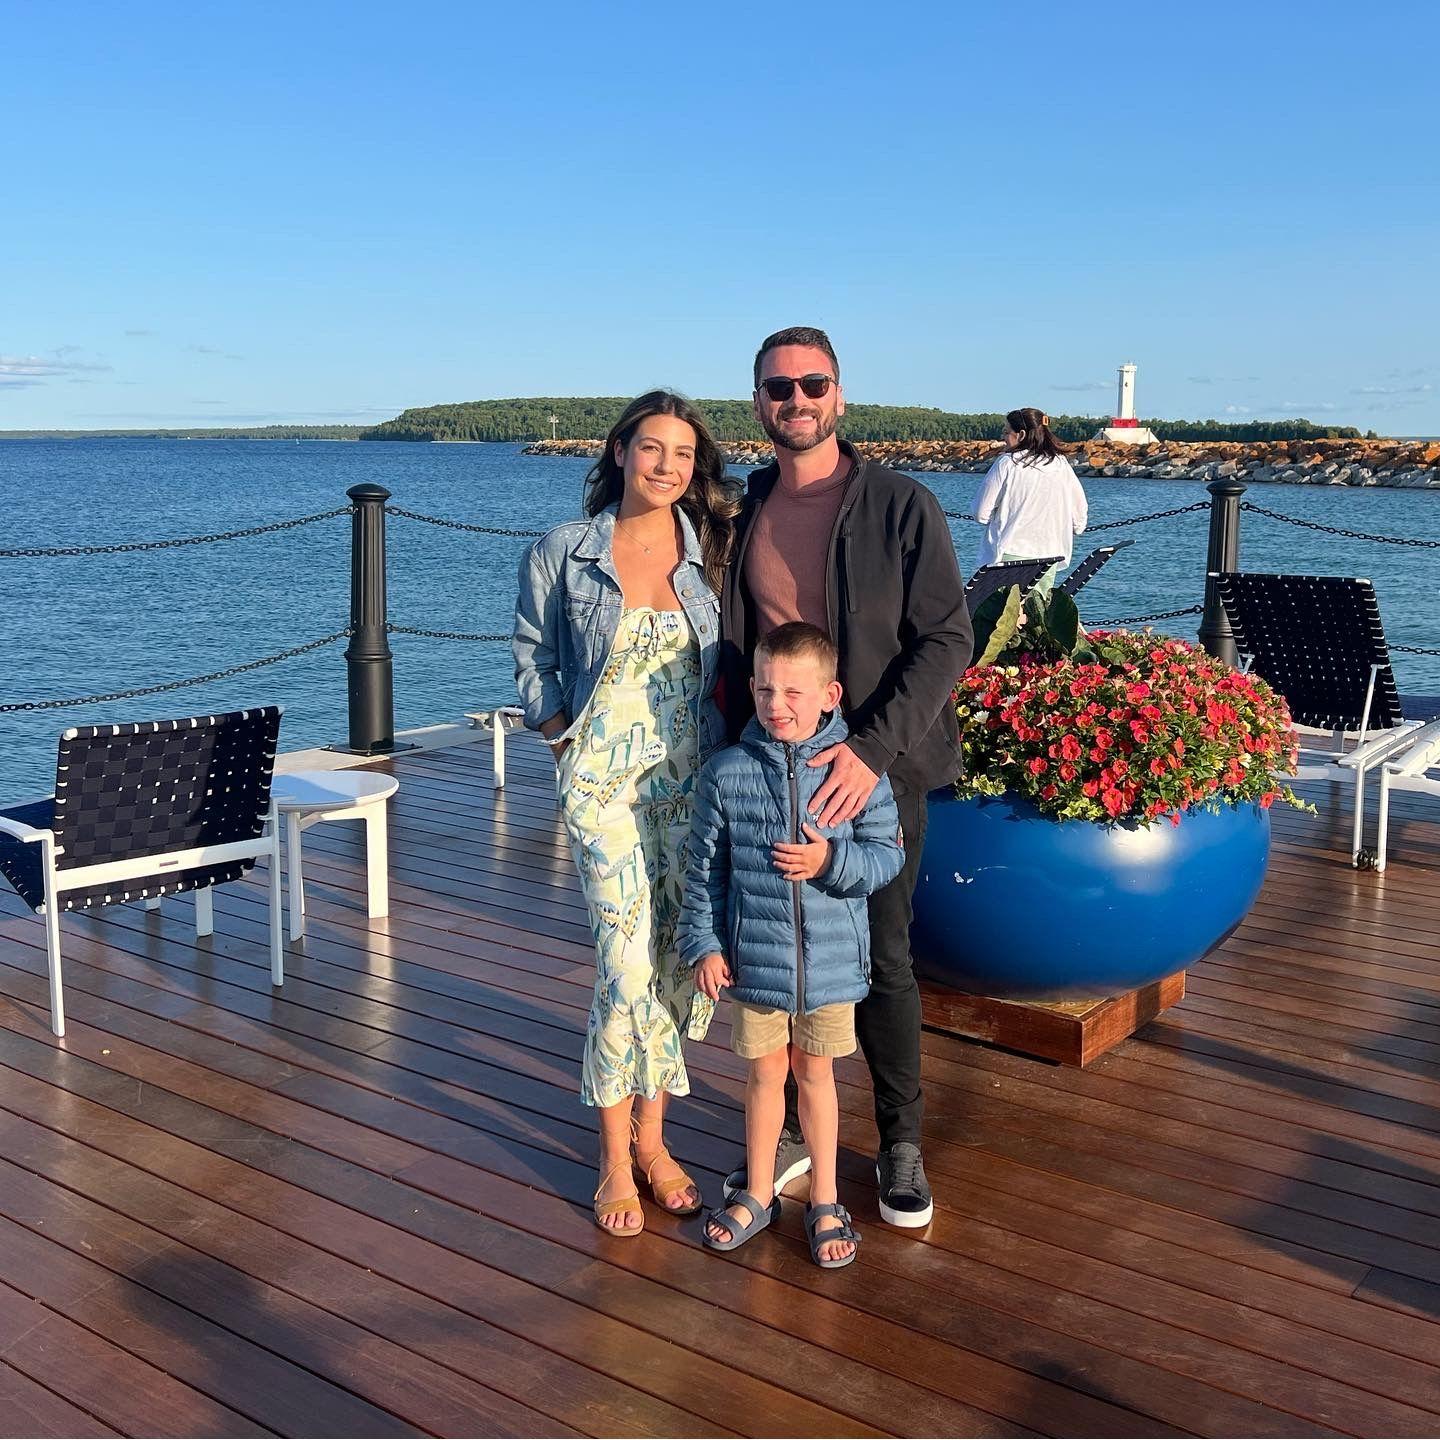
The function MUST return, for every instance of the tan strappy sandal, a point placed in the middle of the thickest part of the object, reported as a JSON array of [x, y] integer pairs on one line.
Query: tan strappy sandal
[[625, 1205], [662, 1190]]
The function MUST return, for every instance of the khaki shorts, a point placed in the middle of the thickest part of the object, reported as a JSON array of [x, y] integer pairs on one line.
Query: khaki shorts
[[754, 1032]]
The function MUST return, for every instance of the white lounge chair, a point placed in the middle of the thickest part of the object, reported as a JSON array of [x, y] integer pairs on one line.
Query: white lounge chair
[[145, 810], [1319, 641], [1417, 770]]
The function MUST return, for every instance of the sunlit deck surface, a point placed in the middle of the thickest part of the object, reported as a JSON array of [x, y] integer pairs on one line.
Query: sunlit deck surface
[[360, 1206]]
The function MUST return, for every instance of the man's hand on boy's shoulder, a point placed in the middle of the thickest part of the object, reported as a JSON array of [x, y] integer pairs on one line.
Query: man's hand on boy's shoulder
[[844, 791], [712, 975], [803, 861]]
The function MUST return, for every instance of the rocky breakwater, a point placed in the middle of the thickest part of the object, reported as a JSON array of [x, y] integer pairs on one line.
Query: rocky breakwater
[[1408, 465]]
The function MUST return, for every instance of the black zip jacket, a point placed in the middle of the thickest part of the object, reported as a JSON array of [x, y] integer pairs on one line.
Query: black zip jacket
[[896, 609]]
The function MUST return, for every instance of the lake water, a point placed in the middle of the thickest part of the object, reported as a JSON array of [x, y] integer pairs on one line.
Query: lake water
[[87, 625]]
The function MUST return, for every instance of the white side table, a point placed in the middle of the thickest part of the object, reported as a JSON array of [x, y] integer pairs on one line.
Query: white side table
[[305, 798]]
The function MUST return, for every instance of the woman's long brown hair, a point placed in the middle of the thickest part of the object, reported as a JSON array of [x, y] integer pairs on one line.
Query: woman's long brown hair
[[710, 501], [1039, 442]]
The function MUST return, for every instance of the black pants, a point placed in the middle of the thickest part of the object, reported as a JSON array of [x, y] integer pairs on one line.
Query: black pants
[[888, 1019]]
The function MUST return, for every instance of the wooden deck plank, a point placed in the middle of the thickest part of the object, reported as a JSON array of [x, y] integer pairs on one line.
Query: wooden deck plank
[[29, 1409], [1225, 1225], [111, 1384]]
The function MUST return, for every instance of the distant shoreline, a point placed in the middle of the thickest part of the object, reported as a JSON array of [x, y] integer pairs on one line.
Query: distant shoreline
[[1382, 464]]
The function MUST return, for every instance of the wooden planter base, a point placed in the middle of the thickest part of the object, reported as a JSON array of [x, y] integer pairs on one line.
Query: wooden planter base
[[1072, 1032]]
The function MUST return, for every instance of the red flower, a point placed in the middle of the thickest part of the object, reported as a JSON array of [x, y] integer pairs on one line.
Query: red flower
[[1113, 801], [1036, 766]]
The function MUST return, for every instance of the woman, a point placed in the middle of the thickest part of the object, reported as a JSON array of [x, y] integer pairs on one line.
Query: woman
[[1030, 503], [616, 652]]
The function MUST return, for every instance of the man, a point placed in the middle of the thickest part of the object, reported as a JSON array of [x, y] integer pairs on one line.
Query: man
[[865, 554]]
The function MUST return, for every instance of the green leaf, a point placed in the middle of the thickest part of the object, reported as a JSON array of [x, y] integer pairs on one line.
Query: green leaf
[[1062, 620], [1005, 628]]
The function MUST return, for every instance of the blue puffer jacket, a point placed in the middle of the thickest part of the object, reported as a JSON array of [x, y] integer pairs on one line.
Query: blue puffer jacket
[[738, 905]]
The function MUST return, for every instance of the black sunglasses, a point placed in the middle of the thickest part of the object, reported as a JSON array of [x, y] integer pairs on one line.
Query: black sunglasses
[[782, 387]]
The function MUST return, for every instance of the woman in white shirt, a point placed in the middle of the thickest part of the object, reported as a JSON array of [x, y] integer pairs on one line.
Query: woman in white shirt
[[1030, 503]]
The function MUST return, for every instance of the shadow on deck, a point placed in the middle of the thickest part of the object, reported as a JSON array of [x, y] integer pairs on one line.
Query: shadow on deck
[[360, 1206]]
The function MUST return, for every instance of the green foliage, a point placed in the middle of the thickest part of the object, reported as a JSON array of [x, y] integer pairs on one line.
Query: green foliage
[[732, 421], [1045, 626]]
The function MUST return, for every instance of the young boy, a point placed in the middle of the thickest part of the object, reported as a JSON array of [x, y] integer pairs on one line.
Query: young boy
[[775, 912]]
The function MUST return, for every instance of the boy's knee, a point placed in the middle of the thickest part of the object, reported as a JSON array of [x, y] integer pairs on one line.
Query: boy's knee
[[768, 1071], [811, 1069]]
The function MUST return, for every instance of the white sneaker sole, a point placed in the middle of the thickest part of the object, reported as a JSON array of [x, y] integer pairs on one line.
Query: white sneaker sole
[[793, 1172], [905, 1219]]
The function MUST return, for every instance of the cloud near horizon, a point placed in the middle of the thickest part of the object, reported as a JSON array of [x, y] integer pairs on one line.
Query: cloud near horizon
[[19, 372], [1086, 385]]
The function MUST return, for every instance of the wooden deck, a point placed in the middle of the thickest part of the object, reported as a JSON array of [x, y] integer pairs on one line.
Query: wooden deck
[[360, 1207]]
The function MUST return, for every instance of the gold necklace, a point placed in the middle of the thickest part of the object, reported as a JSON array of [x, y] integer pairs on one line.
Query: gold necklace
[[634, 540]]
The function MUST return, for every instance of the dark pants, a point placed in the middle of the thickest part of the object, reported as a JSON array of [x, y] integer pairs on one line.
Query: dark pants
[[888, 1019]]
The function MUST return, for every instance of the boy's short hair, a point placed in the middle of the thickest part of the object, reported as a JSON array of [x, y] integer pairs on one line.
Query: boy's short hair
[[799, 640]]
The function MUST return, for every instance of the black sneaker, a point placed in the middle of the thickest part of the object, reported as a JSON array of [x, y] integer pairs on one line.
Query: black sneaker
[[905, 1198], [792, 1160]]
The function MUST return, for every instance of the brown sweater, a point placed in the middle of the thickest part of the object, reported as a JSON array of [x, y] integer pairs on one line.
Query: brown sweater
[[789, 552]]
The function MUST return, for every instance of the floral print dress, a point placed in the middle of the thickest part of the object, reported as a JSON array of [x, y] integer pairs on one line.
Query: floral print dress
[[625, 791]]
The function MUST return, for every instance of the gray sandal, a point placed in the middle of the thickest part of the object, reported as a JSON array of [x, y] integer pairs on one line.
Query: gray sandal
[[760, 1217], [845, 1231]]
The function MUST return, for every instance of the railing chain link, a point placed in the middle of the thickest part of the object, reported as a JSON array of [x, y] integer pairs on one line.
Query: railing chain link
[[1116, 524], [1338, 530], [461, 524], [177, 684], [132, 547], [1143, 519], [1142, 619], [443, 634], [1414, 650]]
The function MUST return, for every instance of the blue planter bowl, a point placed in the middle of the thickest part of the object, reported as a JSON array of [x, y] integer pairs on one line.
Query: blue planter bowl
[[1017, 906]]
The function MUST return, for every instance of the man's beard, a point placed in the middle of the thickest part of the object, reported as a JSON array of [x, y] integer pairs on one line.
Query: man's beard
[[823, 430]]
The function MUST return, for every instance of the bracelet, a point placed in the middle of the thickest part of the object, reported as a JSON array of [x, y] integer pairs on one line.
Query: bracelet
[[553, 741]]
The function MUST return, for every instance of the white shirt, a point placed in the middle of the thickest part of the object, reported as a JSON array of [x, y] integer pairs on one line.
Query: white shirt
[[1029, 509]]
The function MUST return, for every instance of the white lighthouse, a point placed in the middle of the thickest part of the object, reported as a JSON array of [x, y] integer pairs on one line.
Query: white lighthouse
[[1124, 428]]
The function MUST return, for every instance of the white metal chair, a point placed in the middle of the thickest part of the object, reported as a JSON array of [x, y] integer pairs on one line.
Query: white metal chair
[[1417, 770], [145, 810], [496, 722], [1319, 641]]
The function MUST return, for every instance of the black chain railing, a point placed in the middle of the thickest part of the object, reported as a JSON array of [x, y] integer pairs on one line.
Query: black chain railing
[[135, 546], [1340, 530], [1144, 619], [504, 636], [461, 524], [176, 684], [1145, 519], [446, 634], [1117, 524]]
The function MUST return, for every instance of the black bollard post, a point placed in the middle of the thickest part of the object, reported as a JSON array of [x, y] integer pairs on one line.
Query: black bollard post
[[367, 657], [1224, 554]]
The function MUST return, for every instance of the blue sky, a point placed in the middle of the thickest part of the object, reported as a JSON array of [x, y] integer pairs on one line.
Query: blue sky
[[244, 213]]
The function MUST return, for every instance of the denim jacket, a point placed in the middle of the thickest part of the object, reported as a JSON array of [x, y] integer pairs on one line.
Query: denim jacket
[[568, 613]]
